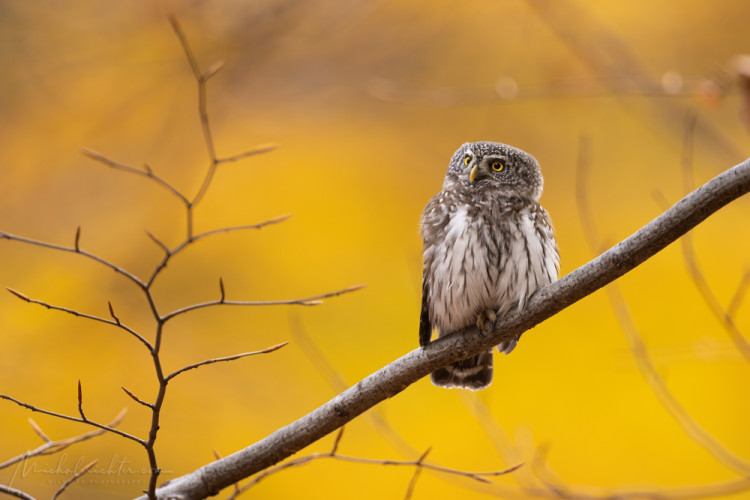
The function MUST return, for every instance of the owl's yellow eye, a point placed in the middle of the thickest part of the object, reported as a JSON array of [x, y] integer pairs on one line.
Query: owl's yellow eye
[[497, 166], [467, 159]]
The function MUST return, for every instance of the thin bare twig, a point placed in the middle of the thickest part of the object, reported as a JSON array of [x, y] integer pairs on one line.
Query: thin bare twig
[[73, 479], [39, 432], [169, 253], [481, 477], [201, 79], [51, 447], [146, 172], [15, 493], [52, 246], [80, 402], [263, 148], [104, 427], [415, 476], [137, 399], [220, 360], [114, 322], [314, 300]]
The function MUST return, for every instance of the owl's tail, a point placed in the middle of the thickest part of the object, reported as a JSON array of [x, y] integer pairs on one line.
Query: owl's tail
[[473, 373]]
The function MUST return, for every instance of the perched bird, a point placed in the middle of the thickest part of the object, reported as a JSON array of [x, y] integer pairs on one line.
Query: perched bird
[[488, 246]]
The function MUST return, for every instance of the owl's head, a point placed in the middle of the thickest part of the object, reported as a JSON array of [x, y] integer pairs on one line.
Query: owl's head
[[496, 168]]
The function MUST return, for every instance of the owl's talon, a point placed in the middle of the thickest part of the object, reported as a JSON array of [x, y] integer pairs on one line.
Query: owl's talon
[[486, 321]]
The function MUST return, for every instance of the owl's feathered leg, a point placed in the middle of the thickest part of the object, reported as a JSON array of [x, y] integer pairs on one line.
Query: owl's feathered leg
[[473, 373]]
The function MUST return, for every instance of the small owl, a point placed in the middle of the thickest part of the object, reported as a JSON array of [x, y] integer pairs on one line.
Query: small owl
[[488, 246]]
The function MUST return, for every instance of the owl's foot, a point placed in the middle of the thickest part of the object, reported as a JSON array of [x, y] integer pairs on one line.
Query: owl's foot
[[486, 321]]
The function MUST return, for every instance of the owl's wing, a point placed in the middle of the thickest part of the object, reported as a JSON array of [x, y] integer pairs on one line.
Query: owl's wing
[[434, 219], [425, 327]]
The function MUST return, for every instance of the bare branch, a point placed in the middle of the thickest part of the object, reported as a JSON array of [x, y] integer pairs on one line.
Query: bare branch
[[257, 150], [77, 239], [315, 300], [117, 269], [51, 447], [398, 375], [115, 322], [158, 242], [415, 476], [137, 399], [259, 225], [221, 290], [80, 401], [220, 360], [112, 313], [38, 431], [73, 479], [419, 464], [168, 254], [105, 427], [146, 172], [212, 70], [186, 47], [15, 493]]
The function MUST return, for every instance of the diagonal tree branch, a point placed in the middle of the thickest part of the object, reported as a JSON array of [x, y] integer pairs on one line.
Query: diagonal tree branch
[[398, 375]]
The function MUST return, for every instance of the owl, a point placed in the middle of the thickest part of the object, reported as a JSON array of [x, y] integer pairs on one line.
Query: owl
[[488, 246]]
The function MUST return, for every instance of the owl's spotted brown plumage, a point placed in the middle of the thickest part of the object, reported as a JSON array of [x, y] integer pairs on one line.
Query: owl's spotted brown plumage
[[488, 246]]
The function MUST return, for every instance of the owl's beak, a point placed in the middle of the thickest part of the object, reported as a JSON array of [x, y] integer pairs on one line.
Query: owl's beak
[[474, 173]]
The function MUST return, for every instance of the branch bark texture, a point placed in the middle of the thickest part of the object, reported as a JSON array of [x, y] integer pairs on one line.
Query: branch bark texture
[[398, 375]]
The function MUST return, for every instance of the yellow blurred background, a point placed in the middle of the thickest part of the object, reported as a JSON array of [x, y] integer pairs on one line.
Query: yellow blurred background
[[368, 101]]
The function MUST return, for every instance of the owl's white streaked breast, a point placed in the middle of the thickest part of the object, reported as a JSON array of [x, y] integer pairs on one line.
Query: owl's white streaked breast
[[479, 264]]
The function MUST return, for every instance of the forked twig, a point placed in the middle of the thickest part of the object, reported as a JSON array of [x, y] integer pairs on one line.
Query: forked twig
[[114, 322], [146, 172], [481, 477]]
